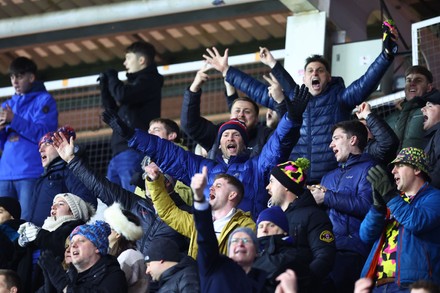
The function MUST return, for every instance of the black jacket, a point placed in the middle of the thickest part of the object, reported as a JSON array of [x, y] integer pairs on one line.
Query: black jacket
[[219, 273], [204, 132], [383, 147], [10, 254], [138, 101], [181, 278], [311, 228], [109, 193], [104, 276], [278, 254]]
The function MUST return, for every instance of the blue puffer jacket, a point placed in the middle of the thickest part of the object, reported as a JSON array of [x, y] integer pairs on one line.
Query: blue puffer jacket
[[333, 105], [348, 199], [252, 172], [418, 242], [35, 114]]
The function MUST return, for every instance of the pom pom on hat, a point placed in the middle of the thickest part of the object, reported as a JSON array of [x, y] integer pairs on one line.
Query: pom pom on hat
[[292, 175]]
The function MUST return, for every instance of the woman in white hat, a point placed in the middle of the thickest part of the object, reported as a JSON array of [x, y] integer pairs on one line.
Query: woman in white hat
[[67, 212]]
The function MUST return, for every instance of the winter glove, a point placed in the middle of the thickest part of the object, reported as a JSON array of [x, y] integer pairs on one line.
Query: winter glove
[[296, 106], [28, 233], [53, 271], [388, 43], [378, 202], [111, 118], [381, 183], [111, 73]]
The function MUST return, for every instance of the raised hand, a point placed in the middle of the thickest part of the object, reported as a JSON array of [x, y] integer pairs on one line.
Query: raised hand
[[198, 184], [112, 118], [381, 183], [363, 110], [53, 270], [217, 61], [390, 37], [266, 57], [297, 106], [152, 170], [200, 78], [275, 89], [64, 148]]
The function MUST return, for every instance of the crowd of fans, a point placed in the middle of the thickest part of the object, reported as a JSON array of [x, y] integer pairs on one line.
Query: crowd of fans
[[311, 201]]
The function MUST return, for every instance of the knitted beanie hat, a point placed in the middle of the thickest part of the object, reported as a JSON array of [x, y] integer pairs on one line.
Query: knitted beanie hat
[[12, 205], [275, 215], [81, 210], [292, 175], [163, 249], [97, 233], [66, 130], [236, 124], [116, 217], [47, 138], [246, 230]]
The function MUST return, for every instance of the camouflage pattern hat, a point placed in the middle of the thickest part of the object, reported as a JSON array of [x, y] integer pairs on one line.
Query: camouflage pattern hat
[[414, 157]]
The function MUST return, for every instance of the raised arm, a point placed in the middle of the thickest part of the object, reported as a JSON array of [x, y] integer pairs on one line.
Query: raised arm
[[99, 186], [383, 146], [201, 130], [179, 220], [206, 239]]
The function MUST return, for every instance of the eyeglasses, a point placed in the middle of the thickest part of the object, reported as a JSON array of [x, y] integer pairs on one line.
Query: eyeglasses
[[244, 240]]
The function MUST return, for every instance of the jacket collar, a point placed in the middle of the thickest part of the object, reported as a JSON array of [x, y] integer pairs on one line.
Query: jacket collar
[[149, 69]]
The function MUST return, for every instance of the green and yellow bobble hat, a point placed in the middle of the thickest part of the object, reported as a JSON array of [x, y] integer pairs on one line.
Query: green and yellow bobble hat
[[292, 175]]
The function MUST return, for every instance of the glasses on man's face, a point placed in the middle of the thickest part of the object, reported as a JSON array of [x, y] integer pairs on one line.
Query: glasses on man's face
[[237, 240]]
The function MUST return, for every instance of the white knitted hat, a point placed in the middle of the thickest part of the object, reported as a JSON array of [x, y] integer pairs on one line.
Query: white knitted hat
[[114, 216], [81, 210]]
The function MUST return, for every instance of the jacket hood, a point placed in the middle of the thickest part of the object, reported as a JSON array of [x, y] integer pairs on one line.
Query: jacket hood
[[37, 86]]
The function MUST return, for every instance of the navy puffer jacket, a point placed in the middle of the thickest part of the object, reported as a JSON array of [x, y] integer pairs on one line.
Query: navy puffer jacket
[[348, 199], [333, 105]]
